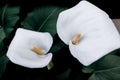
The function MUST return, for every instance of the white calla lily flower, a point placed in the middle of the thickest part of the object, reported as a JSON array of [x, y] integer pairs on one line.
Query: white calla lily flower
[[20, 50], [99, 35]]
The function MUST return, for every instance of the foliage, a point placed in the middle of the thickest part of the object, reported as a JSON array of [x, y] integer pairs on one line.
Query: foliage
[[8, 18], [107, 68], [43, 19]]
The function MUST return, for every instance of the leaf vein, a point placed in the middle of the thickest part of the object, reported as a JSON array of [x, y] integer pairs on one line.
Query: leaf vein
[[107, 70], [47, 19], [3, 14]]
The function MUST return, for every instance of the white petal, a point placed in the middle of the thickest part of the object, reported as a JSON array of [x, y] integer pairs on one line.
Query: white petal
[[99, 34], [20, 52]]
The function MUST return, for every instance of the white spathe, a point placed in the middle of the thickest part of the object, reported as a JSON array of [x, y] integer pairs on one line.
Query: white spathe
[[99, 35], [20, 50]]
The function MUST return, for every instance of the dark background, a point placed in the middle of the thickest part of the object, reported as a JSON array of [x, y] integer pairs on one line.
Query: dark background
[[109, 6]]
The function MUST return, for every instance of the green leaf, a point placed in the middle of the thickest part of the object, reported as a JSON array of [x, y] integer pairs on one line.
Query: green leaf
[[87, 69], [44, 19], [57, 46], [1, 45], [3, 63], [64, 75], [107, 68], [8, 18], [2, 34]]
